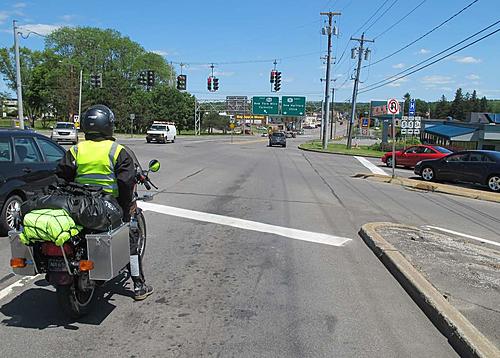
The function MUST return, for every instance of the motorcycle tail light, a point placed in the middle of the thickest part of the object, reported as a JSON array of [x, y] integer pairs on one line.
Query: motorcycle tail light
[[17, 262], [50, 249], [86, 265]]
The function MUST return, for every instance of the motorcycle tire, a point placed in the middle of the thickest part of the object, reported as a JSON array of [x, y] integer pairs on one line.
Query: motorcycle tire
[[74, 302]]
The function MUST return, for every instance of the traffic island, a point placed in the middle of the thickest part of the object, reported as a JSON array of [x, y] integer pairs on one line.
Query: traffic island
[[453, 281], [337, 148], [431, 186]]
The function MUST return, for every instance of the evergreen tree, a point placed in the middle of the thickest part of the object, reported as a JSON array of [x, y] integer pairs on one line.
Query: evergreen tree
[[442, 108], [483, 105], [458, 106], [474, 102]]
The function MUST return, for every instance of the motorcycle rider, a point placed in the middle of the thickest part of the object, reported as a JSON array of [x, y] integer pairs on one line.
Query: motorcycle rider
[[100, 160]]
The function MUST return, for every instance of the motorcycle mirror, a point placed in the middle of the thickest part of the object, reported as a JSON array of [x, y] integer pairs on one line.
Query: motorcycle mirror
[[154, 165]]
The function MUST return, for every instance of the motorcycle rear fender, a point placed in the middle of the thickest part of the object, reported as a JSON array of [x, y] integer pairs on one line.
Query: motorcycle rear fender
[[59, 278]]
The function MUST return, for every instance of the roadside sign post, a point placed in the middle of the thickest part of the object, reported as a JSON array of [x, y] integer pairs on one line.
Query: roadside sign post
[[393, 108], [132, 117], [232, 131]]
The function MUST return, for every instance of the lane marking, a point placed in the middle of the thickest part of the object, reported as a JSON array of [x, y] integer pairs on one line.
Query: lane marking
[[250, 141], [19, 283], [246, 224], [372, 167], [463, 235]]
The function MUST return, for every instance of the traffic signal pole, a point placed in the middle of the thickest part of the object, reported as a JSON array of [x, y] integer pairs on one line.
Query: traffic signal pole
[[19, 86], [327, 87]]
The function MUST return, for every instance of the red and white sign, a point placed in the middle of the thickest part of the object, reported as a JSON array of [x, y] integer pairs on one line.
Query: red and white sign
[[393, 106]]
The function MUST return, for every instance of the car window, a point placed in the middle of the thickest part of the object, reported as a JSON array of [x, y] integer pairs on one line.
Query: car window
[[427, 150], [411, 150], [442, 150], [420, 150], [476, 157], [462, 157], [278, 134], [65, 126], [26, 151], [5, 150], [50, 150]]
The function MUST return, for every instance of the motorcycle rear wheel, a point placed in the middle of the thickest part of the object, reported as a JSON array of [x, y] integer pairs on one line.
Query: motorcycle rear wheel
[[141, 223], [75, 302]]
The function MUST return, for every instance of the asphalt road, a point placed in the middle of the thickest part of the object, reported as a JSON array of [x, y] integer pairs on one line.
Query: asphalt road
[[243, 289]]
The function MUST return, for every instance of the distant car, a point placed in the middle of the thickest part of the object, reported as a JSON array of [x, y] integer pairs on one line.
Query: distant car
[[161, 132], [409, 157], [64, 132], [277, 138], [27, 164], [309, 126], [471, 166]]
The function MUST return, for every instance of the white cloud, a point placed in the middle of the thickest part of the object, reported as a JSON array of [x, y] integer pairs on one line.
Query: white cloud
[[223, 73], [67, 17], [398, 82], [4, 15], [42, 29], [19, 5], [423, 51], [472, 77], [398, 65], [466, 59], [160, 52], [288, 79], [437, 80], [447, 89]]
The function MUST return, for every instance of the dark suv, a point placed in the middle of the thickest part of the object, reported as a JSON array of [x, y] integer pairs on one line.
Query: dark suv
[[27, 164], [277, 138]]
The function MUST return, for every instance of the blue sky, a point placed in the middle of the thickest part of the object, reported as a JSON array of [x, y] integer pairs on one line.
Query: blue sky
[[224, 32]]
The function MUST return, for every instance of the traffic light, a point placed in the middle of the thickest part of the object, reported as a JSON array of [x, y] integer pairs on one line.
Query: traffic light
[[273, 76], [216, 84], [277, 81], [209, 83], [181, 82], [151, 78], [142, 80]]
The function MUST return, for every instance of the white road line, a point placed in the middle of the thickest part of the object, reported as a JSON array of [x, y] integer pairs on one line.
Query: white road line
[[19, 283], [463, 235], [373, 168], [246, 224]]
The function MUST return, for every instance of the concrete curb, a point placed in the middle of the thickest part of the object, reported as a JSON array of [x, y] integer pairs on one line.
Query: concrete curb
[[435, 187], [462, 335], [337, 153]]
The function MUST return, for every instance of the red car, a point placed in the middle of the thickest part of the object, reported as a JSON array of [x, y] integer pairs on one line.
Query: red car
[[410, 156]]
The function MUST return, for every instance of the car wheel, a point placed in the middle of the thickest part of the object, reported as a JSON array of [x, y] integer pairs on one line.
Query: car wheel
[[148, 140], [173, 140], [428, 174], [494, 183], [11, 205], [389, 162]]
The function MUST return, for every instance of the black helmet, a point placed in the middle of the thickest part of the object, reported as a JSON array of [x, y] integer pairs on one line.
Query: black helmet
[[98, 119]]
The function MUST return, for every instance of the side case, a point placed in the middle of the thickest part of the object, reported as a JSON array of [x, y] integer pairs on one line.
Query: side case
[[110, 252], [19, 250]]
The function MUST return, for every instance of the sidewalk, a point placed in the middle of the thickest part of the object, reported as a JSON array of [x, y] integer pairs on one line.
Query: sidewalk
[[456, 282]]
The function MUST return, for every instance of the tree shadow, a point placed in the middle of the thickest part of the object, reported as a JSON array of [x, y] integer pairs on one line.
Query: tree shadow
[[37, 307]]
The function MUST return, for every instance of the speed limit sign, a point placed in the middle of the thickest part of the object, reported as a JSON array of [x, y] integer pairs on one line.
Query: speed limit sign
[[393, 106]]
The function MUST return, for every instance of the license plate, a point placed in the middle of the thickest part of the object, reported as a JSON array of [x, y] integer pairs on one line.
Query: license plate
[[57, 265]]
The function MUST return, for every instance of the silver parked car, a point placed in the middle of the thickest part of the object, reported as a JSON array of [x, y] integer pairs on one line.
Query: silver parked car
[[64, 132]]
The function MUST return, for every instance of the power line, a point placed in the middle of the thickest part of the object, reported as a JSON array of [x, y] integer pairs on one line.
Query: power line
[[397, 22], [433, 62], [424, 35], [381, 15], [371, 17], [436, 55]]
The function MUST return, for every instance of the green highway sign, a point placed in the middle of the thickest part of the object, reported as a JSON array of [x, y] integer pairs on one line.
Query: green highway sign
[[265, 105], [293, 106]]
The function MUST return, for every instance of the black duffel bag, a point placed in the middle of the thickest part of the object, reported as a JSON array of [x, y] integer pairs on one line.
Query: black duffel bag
[[89, 206]]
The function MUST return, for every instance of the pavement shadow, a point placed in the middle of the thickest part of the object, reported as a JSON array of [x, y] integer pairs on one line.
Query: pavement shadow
[[37, 308]]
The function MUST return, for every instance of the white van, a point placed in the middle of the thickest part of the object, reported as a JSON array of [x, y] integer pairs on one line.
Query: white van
[[161, 132]]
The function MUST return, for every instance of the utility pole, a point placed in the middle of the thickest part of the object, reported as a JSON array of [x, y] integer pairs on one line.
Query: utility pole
[[80, 97], [329, 30], [19, 86], [366, 52], [332, 121]]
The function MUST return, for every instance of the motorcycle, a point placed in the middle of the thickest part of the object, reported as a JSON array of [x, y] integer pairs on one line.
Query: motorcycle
[[85, 261]]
